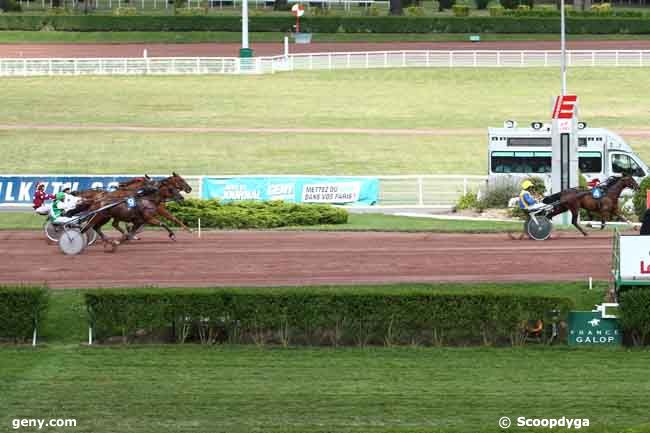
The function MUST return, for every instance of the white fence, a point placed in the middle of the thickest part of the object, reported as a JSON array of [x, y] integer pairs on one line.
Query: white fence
[[210, 4], [320, 61]]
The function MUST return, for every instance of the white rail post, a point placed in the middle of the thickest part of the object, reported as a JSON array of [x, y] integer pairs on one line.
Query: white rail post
[[367, 60], [329, 61], [420, 191], [474, 59], [545, 58], [521, 60], [617, 58], [428, 58], [593, 58], [464, 186], [348, 61], [403, 59], [498, 58], [90, 335], [451, 59], [640, 58], [385, 59]]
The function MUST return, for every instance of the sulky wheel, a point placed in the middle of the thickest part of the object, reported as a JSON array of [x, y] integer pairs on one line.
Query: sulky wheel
[[539, 230], [53, 231], [72, 241]]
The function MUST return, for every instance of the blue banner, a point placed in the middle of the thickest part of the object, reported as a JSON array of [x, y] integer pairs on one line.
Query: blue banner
[[317, 189], [21, 189]]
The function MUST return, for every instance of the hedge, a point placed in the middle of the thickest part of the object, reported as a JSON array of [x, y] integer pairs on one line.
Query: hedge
[[317, 316], [635, 315], [255, 214], [21, 309], [329, 24]]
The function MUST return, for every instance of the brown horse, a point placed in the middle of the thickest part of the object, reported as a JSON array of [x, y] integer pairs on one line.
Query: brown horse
[[137, 207], [607, 207]]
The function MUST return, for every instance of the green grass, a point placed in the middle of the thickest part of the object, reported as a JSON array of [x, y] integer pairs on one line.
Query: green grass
[[418, 98], [13, 37], [238, 389]]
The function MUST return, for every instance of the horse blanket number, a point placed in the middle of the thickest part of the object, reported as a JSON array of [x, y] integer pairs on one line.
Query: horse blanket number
[[130, 202], [596, 193]]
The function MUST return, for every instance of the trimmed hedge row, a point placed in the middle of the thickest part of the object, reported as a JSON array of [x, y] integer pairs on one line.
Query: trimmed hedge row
[[21, 309], [318, 316], [255, 214], [635, 315], [329, 24]]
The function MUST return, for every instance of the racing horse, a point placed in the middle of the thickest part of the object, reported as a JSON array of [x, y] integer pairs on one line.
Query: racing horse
[[607, 207], [137, 207]]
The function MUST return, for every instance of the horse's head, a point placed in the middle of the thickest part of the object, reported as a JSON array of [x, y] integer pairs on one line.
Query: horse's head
[[179, 183], [629, 182]]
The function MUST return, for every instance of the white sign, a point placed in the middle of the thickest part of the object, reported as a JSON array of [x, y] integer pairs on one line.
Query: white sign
[[331, 192], [634, 257]]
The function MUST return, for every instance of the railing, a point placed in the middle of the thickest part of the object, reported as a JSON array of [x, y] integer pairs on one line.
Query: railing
[[427, 191], [319, 61]]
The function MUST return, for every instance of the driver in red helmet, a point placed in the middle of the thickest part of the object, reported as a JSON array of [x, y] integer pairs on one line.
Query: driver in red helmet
[[40, 197]]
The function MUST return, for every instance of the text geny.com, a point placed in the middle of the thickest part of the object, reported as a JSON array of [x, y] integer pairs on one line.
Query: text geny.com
[[40, 423]]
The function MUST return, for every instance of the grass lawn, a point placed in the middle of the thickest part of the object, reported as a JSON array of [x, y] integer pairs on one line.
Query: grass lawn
[[419, 98], [344, 99], [236, 389], [17, 37]]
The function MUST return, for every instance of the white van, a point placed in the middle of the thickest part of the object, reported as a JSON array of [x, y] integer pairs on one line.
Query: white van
[[521, 152]]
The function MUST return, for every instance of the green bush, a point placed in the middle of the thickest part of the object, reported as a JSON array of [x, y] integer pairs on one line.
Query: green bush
[[329, 24], [445, 4], [499, 193], [460, 10], [482, 4], [467, 201], [639, 199], [21, 310], [415, 11], [125, 12], [255, 214], [635, 315], [496, 11], [10, 6], [318, 316]]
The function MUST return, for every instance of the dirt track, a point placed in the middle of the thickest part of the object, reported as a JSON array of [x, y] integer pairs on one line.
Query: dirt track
[[296, 258], [274, 49]]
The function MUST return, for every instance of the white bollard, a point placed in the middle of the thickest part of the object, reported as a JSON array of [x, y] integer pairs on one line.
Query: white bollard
[[286, 46], [90, 335], [199, 228], [590, 283], [144, 53], [34, 338]]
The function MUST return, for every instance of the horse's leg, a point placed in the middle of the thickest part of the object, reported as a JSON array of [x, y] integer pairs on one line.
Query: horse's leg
[[162, 211], [116, 226], [152, 220], [575, 211]]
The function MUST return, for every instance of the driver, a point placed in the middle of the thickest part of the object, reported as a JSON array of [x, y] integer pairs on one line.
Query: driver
[[526, 199], [61, 205]]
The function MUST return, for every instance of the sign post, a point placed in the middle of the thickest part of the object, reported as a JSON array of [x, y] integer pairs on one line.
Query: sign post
[[244, 51], [564, 137]]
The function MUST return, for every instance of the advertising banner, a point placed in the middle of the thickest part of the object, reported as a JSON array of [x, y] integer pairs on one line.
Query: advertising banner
[[589, 328], [20, 189], [634, 257], [295, 189]]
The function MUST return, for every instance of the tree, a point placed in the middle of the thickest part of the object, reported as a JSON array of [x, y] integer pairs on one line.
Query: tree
[[280, 5], [396, 7]]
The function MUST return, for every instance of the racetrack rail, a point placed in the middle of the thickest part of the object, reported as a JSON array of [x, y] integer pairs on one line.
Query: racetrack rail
[[276, 258]]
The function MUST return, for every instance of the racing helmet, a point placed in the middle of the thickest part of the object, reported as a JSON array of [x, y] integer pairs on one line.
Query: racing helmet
[[60, 196], [526, 184]]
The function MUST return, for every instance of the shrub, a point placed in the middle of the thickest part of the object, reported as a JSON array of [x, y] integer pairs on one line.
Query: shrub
[[482, 4], [639, 199], [125, 12], [10, 6], [21, 309], [498, 193], [496, 11], [445, 4], [359, 316], [191, 12], [373, 11], [415, 11], [635, 314], [460, 10], [249, 215], [509, 4], [467, 201]]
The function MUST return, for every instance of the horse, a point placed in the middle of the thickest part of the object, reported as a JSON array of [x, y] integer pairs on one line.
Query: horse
[[573, 200], [142, 210]]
